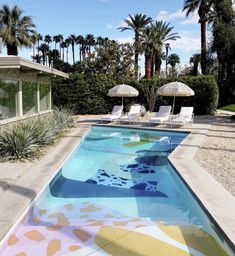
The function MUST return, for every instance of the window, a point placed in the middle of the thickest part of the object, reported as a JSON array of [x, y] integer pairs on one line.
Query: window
[[29, 97], [44, 97], [8, 98]]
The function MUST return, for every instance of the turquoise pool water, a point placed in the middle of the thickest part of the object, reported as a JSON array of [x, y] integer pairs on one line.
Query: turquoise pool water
[[117, 181]]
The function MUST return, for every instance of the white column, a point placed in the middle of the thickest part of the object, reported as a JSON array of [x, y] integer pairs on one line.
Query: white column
[[20, 100], [38, 98], [49, 97]]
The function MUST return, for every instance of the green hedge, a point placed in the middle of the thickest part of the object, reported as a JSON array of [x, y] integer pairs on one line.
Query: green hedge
[[88, 94]]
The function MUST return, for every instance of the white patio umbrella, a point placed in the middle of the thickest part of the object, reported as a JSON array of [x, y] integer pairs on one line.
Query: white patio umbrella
[[175, 89], [123, 90]]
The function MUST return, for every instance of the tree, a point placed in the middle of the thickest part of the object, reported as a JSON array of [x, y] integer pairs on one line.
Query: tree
[[73, 41], [57, 39], [80, 41], [111, 58], [63, 45], [147, 46], [203, 7], [38, 38], [163, 35], [16, 29], [195, 60], [47, 39], [173, 59], [90, 41], [136, 23], [67, 44], [44, 49], [34, 41], [224, 45], [167, 47]]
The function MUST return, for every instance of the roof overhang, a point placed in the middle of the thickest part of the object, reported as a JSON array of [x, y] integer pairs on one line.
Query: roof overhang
[[27, 66]]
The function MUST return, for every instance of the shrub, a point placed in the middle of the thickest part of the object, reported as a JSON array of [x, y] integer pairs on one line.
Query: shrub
[[26, 139], [88, 94]]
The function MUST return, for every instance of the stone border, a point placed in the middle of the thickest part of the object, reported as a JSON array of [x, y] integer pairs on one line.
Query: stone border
[[18, 198]]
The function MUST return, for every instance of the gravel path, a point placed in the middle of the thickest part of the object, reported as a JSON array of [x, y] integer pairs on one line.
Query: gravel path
[[217, 153]]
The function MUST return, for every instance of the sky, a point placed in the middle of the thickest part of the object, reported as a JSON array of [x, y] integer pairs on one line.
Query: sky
[[103, 17]]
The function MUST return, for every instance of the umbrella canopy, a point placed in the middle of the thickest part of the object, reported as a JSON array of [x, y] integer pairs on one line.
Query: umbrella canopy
[[175, 89], [123, 90]]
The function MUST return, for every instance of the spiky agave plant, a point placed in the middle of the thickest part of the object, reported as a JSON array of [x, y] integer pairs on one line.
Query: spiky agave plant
[[26, 139]]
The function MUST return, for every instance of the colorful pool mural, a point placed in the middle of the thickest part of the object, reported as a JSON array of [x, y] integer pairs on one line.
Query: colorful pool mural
[[117, 195]]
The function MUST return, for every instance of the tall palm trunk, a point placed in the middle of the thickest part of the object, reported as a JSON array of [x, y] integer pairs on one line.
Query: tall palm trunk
[[167, 52], [137, 44], [148, 66], [38, 59], [12, 50], [63, 54], [203, 47], [73, 54], [67, 54], [80, 53], [158, 63]]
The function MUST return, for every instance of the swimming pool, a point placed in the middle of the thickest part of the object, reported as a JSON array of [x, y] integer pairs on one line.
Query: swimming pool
[[117, 194]]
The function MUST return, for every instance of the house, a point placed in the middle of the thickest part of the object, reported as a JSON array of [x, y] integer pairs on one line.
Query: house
[[25, 88]]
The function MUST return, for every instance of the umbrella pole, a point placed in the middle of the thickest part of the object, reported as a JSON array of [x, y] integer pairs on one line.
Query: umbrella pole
[[122, 101], [173, 106]]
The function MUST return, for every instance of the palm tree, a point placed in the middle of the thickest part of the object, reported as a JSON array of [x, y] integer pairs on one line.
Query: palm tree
[[16, 29], [57, 39], [136, 23], [47, 39], [34, 41], [38, 38], [73, 39], [63, 45], [163, 34], [67, 42], [147, 46], [195, 60], [167, 47], [173, 59], [44, 49], [80, 41], [203, 7], [90, 40]]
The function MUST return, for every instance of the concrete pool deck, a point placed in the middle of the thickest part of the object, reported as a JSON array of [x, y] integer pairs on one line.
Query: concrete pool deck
[[21, 182]]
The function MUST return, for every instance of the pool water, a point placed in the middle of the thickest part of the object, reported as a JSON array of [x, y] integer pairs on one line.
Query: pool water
[[117, 194]]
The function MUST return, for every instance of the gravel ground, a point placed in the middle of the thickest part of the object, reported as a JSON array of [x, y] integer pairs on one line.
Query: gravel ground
[[217, 153]]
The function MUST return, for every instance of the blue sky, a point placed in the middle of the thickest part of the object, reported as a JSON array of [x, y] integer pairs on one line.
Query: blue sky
[[102, 17]]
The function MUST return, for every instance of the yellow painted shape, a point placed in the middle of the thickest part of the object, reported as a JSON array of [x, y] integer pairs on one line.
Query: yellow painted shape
[[194, 238], [117, 242]]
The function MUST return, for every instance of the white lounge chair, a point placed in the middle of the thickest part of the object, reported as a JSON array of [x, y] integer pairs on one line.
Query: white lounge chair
[[184, 117], [162, 116], [116, 113], [132, 116]]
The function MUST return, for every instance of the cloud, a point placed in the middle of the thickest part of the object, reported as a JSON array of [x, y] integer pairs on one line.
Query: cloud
[[110, 26], [178, 15], [186, 43], [124, 40], [192, 19], [167, 16]]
